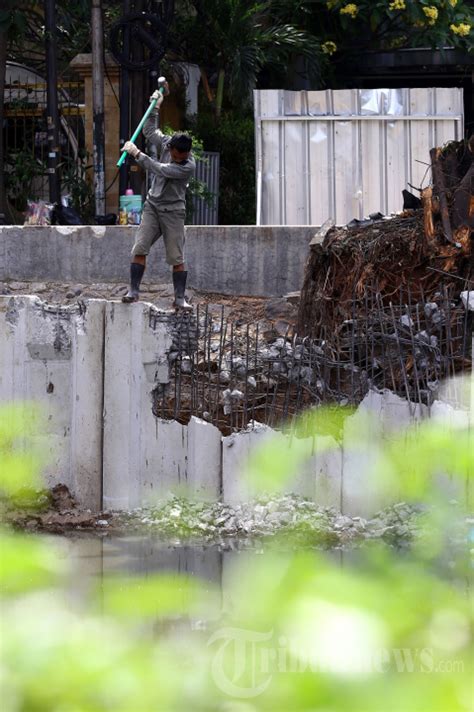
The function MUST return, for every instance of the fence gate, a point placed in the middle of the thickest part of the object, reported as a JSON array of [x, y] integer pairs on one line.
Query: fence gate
[[346, 153]]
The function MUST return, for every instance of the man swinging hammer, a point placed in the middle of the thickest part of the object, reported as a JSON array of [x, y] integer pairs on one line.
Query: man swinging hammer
[[164, 209]]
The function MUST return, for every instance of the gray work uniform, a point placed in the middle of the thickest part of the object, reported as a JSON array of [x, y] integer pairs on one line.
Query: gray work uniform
[[164, 209]]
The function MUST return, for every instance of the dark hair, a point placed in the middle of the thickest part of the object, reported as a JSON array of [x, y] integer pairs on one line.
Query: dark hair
[[182, 142]]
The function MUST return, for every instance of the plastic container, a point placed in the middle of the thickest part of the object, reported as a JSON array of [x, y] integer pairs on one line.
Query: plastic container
[[130, 209]]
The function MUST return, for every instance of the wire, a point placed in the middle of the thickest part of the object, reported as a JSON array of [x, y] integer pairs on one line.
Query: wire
[[105, 65], [113, 181]]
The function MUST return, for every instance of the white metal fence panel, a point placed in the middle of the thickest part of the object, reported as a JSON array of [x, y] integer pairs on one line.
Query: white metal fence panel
[[346, 153], [207, 171]]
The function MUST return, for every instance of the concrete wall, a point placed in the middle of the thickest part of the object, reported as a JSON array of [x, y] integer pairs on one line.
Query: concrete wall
[[54, 357], [259, 261], [93, 368]]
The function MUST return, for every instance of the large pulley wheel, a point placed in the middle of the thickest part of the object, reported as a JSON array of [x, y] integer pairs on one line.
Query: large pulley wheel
[[138, 40]]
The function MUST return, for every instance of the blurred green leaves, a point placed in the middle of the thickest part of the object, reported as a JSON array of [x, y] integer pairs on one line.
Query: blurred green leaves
[[19, 457], [365, 630], [155, 596]]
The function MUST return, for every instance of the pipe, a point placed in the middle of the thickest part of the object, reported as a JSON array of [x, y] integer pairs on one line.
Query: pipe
[[52, 108], [98, 106]]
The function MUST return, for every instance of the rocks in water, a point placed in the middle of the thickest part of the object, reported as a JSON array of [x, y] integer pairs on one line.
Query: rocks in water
[[295, 518]]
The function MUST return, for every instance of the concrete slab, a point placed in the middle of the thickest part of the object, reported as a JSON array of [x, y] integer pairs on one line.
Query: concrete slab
[[133, 353], [204, 460], [53, 356], [270, 259]]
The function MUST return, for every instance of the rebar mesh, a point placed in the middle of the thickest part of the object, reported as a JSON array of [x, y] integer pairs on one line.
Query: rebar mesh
[[231, 374]]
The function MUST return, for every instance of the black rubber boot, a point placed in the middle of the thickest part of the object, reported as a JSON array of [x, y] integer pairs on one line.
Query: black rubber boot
[[136, 273], [179, 284]]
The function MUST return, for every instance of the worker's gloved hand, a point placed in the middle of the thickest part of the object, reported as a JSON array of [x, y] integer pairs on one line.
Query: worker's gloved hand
[[131, 149], [158, 96]]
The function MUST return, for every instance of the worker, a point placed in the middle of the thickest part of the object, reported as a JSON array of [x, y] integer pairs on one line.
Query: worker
[[164, 209]]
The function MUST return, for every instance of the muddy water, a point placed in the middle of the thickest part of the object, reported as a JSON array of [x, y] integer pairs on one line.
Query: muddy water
[[92, 558]]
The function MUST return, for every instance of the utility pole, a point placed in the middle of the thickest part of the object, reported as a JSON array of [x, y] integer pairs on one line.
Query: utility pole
[[124, 103], [98, 106], [3, 65], [137, 100], [52, 109]]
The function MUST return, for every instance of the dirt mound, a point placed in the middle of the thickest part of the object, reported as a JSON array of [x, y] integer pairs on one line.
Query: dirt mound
[[421, 253], [54, 511]]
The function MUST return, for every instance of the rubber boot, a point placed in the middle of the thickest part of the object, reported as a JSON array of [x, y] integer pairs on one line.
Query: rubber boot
[[179, 284], [136, 273]]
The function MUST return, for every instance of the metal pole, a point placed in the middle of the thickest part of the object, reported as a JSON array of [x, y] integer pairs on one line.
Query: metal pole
[[98, 106], [124, 103], [137, 99], [52, 110]]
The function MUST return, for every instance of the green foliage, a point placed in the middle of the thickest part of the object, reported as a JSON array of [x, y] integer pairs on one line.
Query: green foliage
[[22, 168], [18, 453], [233, 137], [392, 24], [293, 632], [76, 181], [242, 39], [196, 188], [23, 22]]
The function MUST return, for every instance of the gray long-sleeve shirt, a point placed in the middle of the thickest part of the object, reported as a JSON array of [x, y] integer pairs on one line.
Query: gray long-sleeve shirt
[[170, 179]]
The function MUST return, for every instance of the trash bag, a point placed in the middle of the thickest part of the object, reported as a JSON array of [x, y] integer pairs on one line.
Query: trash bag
[[410, 201], [109, 219], [66, 216]]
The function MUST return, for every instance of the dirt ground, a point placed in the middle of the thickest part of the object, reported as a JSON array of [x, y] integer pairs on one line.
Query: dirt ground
[[276, 316], [237, 308], [52, 511]]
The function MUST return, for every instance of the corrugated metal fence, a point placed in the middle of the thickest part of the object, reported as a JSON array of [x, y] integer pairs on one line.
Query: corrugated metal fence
[[346, 153], [205, 212]]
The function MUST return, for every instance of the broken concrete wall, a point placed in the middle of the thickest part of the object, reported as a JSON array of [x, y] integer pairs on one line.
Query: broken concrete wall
[[135, 362], [250, 260], [52, 356], [94, 369]]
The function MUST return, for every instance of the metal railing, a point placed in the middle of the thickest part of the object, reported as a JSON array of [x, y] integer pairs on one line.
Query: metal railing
[[26, 138]]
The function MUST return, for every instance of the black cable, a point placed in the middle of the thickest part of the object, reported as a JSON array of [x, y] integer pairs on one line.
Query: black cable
[[113, 181], [105, 64]]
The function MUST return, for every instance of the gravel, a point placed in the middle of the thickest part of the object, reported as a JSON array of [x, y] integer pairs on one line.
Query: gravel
[[290, 518]]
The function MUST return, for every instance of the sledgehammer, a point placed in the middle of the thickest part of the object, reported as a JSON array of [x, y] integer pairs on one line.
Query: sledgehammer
[[161, 89]]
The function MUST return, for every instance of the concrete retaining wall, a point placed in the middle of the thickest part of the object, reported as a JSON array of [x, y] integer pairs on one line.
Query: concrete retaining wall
[[54, 357], [259, 261], [93, 369]]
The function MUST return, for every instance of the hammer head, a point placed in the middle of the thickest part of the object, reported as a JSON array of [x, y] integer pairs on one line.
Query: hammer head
[[161, 81]]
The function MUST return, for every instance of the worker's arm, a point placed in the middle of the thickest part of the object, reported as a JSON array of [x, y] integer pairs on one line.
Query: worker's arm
[[153, 134], [180, 171]]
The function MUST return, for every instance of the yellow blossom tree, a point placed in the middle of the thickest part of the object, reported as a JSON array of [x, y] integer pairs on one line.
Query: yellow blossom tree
[[388, 24]]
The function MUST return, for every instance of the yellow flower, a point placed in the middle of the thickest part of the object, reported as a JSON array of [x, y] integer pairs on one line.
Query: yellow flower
[[453, 3], [350, 9], [329, 48], [397, 5], [463, 29], [331, 3], [431, 13]]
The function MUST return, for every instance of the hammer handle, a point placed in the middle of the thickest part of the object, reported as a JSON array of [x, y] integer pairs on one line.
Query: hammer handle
[[140, 126]]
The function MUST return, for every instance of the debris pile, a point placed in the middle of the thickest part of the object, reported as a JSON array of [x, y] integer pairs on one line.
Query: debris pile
[[387, 257], [231, 374], [54, 511], [298, 520], [382, 306], [394, 284]]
